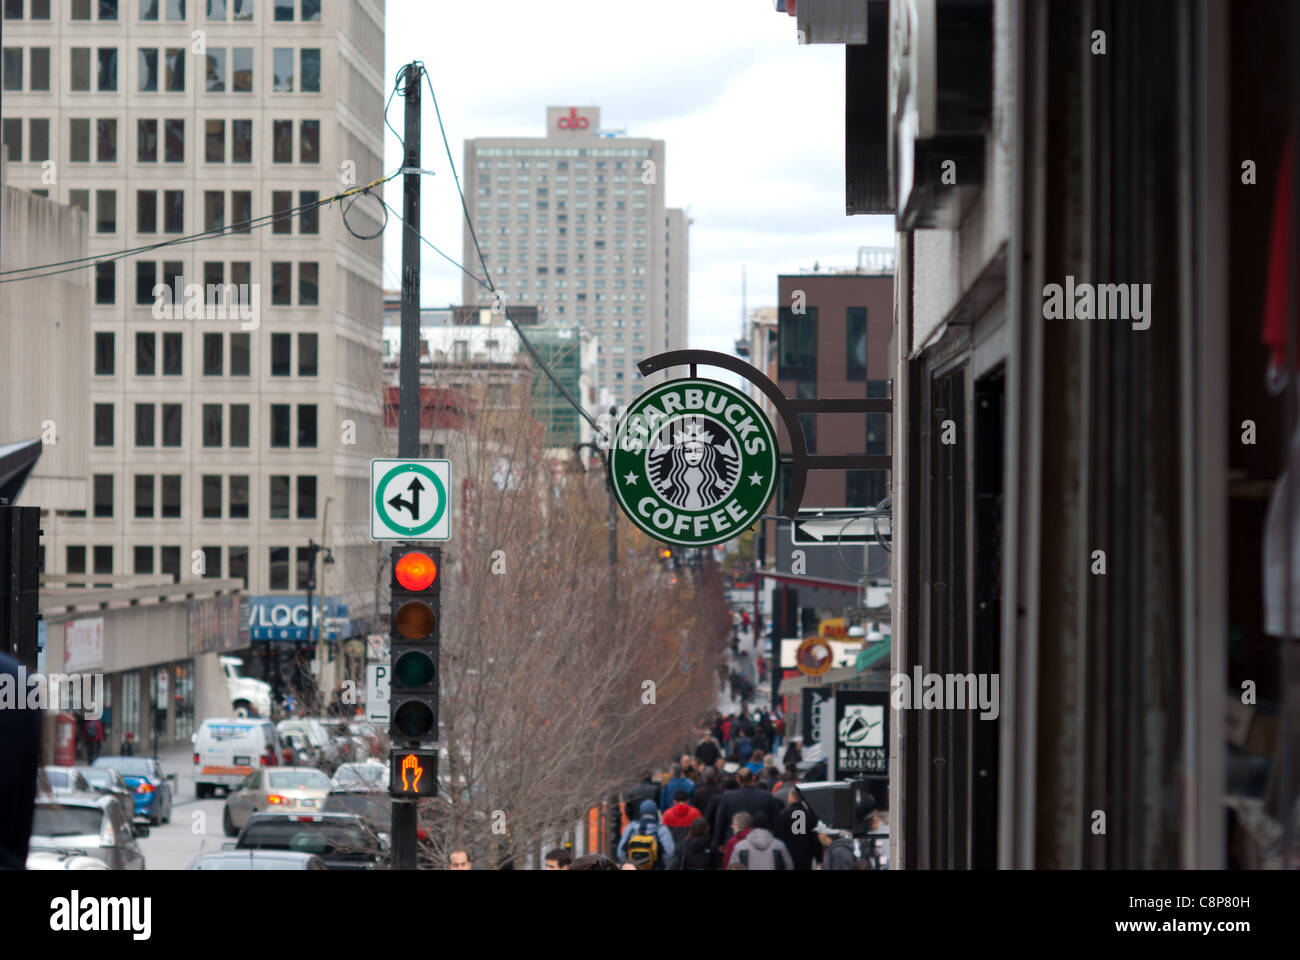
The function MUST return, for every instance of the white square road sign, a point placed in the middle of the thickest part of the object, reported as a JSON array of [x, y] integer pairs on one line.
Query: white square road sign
[[410, 499], [378, 691]]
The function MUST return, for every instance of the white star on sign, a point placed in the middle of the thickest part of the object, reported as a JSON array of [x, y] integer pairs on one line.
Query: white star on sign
[[631, 478], [755, 479]]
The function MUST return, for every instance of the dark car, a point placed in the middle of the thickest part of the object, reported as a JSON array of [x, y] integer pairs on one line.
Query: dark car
[[344, 841], [110, 783], [257, 860], [145, 779]]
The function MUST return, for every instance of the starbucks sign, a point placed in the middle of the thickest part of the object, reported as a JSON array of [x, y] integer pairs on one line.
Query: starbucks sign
[[693, 462]]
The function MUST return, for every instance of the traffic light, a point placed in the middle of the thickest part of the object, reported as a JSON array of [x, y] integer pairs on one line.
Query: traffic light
[[20, 582], [413, 773], [413, 638]]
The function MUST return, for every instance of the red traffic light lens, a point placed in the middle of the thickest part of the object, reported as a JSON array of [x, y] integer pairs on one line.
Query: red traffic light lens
[[416, 571], [414, 620]]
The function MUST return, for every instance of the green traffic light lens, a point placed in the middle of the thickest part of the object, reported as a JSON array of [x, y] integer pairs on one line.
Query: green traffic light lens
[[414, 719], [414, 620], [413, 669]]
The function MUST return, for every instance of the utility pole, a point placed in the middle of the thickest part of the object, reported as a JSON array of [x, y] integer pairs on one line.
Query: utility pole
[[408, 411]]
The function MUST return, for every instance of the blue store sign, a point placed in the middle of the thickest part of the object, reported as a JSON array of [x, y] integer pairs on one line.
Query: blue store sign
[[285, 618]]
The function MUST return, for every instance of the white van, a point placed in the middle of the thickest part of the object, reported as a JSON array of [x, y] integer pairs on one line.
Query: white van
[[227, 750]]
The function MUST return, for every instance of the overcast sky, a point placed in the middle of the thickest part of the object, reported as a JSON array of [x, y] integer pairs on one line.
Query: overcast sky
[[753, 125]]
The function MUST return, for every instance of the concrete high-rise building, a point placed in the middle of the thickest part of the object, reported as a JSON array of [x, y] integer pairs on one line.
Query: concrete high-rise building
[[237, 425], [575, 222]]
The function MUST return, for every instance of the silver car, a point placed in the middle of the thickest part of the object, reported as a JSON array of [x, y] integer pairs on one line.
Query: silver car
[[278, 790], [257, 860], [90, 824], [110, 783], [65, 780]]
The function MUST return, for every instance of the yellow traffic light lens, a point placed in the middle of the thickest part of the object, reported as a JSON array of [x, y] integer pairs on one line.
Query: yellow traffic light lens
[[414, 620], [416, 571]]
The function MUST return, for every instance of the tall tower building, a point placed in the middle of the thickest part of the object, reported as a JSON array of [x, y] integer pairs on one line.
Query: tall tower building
[[575, 223], [226, 431]]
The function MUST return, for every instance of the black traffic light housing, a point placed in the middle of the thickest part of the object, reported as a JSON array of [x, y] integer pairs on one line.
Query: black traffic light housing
[[20, 581], [414, 632], [413, 773]]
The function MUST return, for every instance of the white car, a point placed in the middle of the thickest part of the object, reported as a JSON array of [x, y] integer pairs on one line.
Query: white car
[[372, 774], [249, 697], [44, 859], [228, 749]]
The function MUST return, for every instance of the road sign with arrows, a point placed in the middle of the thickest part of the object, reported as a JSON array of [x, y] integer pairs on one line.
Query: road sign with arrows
[[842, 525], [409, 499]]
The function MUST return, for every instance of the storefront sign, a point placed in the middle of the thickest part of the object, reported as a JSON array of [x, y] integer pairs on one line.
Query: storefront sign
[[83, 644], [285, 618], [814, 657], [811, 714], [861, 734], [215, 624]]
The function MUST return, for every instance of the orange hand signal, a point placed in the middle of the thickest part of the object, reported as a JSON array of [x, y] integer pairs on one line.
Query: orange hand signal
[[411, 763]]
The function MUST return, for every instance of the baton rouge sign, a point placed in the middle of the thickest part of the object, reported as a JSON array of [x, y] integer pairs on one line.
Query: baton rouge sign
[[693, 462]]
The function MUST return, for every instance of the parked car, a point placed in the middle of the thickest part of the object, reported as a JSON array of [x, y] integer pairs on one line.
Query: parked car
[[257, 860], [145, 778], [371, 805], [343, 840], [228, 749], [305, 755], [351, 748], [328, 755], [371, 773], [110, 783], [90, 825], [374, 740], [50, 858], [283, 788], [65, 780], [249, 697]]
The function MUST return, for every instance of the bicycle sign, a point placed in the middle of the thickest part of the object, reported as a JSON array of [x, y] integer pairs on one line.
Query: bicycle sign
[[409, 499]]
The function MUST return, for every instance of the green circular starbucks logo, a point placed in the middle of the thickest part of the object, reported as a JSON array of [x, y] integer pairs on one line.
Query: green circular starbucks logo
[[693, 462]]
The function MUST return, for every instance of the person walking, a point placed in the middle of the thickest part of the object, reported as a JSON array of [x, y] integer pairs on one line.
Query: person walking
[[706, 789], [748, 799], [760, 849], [646, 842], [740, 825], [93, 731], [707, 752], [677, 781], [796, 827], [128, 744], [697, 851], [647, 789], [679, 817]]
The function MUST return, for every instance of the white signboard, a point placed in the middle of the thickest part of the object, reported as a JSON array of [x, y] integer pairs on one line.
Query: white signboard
[[410, 500], [378, 688], [83, 644]]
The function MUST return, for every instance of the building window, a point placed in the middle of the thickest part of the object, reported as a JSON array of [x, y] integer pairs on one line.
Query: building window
[[241, 141], [856, 344], [146, 211], [146, 141], [106, 211], [306, 354], [174, 70], [142, 559], [311, 70], [169, 561], [311, 11], [281, 204], [877, 423], [12, 137], [146, 354], [107, 69], [797, 358], [103, 424], [211, 496], [241, 211], [174, 141], [282, 70], [283, 9], [306, 498], [864, 488], [38, 150], [214, 209], [105, 284], [309, 218], [103, 560], [280, 430], [172, 421], [105, 354], [214, 141], [213, 364], [280, 297], [241, 69], [282, 141], [79, 73], [148, 9], [238, 564], [239, 420], [173, 211], [216, 72], [78, 140], [309, 141], [211, 563], [147, 60], [171, 496], [13, 68], [279, 497], [308, 284], [212, 424], [279, 572], [75, 559], [878, 388], [306, 424], [306, 574], [281, 348], [144, 495], [240, 348], [145, 432], [146, 278], [173, 354], [103, 494], [239, 497]]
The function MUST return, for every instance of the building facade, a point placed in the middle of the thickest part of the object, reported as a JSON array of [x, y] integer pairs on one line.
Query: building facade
[[230, 421], [575, 222]]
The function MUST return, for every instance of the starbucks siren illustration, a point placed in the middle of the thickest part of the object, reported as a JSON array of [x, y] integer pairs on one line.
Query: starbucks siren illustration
[[693, 462]]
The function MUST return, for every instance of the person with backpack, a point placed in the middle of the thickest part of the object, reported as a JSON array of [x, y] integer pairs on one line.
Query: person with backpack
[[697, 851], [93, 731], [646, 842], [760, 849]]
